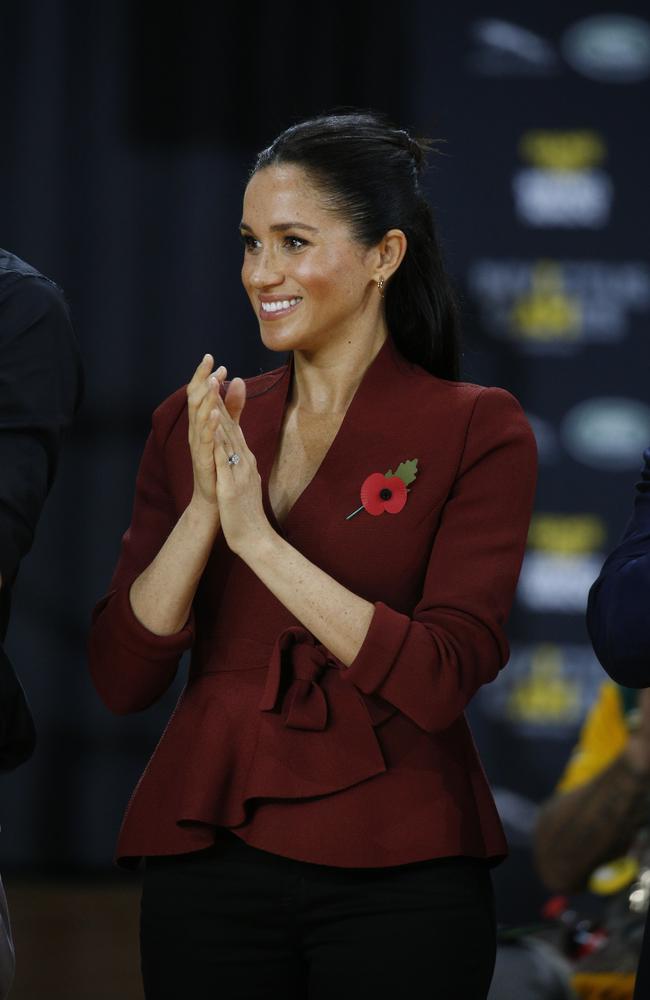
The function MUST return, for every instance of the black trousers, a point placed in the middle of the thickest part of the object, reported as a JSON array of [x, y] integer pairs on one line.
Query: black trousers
[[234, 922]]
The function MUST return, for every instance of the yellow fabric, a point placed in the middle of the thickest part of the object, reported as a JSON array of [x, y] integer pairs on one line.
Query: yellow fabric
[[603, 985], [614, 875], [602, 738]]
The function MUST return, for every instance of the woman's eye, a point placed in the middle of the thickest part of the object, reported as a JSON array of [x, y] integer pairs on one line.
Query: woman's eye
[[294, 242], [250, 243]]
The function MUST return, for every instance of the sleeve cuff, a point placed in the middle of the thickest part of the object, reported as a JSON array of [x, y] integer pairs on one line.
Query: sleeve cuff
[[379, 650], [139, 640]]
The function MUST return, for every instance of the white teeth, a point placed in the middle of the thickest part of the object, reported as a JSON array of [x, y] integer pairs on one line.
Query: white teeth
[[284, 304]]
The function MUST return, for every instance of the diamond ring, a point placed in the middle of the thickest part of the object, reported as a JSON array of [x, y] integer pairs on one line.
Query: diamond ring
[[233, 459]]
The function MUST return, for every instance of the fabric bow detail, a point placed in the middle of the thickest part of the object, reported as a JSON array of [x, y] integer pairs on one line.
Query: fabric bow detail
[[296, 666]]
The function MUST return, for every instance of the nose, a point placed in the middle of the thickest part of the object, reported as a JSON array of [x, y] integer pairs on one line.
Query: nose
[[264, 270]]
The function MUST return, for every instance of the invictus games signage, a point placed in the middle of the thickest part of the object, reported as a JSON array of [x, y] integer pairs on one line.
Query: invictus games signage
[[551, 306], [607, 432], [609, 48], [563, 184], [553, 204]]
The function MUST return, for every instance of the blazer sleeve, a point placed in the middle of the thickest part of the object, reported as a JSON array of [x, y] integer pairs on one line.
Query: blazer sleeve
[[40, 389], [430, 664], [618, 610], [131, 666]]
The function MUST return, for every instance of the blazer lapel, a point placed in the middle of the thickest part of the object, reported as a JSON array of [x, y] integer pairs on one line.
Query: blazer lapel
[[372, 419], [374, 407]]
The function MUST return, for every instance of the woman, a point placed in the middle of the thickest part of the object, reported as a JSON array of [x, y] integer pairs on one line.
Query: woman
[[339, 545]]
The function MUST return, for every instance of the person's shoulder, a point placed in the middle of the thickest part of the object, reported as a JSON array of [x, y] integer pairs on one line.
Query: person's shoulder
[[485, 418], [424, 388], [28, 297], [36, 298], [35, 323], [18, 278], [13, 267]]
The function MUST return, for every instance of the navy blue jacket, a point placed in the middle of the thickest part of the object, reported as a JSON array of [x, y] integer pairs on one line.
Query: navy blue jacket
[[618, 612], [618, 620]]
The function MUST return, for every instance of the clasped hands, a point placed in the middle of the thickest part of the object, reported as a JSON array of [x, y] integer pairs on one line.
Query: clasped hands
[[232, 494]]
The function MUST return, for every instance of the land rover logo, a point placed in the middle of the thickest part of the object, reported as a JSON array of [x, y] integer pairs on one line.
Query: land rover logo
[[608, 432], [614, 48]]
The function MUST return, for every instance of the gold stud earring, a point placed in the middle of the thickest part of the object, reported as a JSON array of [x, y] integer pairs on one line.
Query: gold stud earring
[[380, 286]]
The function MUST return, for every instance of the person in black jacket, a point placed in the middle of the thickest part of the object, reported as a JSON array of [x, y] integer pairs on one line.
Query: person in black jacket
[[618, 619], [40, 390]]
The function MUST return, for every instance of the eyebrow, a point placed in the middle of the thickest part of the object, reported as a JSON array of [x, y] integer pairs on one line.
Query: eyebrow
[[280, 227]]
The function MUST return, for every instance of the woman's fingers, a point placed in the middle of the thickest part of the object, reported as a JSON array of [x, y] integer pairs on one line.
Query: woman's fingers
[[230, 408], [214, 432], [199, 377], [230, 433], [202, 395], [201, 383], [221, 452], [239, 487], [203, 369], [235, 398], [226, 443], [223, 436], [208, 402]]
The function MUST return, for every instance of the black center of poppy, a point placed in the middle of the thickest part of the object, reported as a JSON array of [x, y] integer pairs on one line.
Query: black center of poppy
[[386, 494]]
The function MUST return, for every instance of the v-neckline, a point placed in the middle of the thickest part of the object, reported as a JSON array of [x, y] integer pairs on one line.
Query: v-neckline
[[281, 527]]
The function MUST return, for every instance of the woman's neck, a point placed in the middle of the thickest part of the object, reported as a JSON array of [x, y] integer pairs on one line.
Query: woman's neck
[[325, 383]]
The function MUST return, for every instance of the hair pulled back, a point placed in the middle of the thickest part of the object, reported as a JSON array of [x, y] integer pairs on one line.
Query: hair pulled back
[[369, 172]]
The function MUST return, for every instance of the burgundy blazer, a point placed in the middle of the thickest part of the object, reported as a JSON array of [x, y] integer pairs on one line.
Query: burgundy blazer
[[272, 737]]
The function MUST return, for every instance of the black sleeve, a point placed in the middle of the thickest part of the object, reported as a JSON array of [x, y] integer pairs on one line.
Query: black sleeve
[[40, 389], [618, 611]]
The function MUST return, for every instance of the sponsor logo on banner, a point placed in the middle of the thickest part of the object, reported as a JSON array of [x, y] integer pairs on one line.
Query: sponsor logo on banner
[[563, 559], [563, 187], [503, 48], [557, 306], [607, 432], [612, 48], [567, 534], [546, 690], [604, 48]]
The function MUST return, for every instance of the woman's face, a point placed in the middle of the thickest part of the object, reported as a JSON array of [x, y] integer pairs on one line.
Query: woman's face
[[308, 279]]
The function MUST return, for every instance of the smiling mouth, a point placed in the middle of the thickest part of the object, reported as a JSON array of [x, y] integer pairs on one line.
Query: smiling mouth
[[269, 310]]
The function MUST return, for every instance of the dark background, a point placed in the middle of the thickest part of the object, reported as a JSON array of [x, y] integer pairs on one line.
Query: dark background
[[127, 133]]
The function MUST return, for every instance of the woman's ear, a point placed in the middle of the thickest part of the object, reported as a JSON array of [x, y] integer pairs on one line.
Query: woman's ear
[[390, 253]]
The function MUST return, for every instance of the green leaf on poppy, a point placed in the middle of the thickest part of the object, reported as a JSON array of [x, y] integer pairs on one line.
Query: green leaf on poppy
[[389, 474], [407, 471]]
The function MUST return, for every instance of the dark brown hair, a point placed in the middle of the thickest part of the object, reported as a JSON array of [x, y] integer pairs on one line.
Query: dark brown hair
[[369, 171]]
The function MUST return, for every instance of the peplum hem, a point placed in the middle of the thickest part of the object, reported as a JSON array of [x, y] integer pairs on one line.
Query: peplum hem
[[292, 729]]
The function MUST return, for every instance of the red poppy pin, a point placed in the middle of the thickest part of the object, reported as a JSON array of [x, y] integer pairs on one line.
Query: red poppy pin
[[388, 492]]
